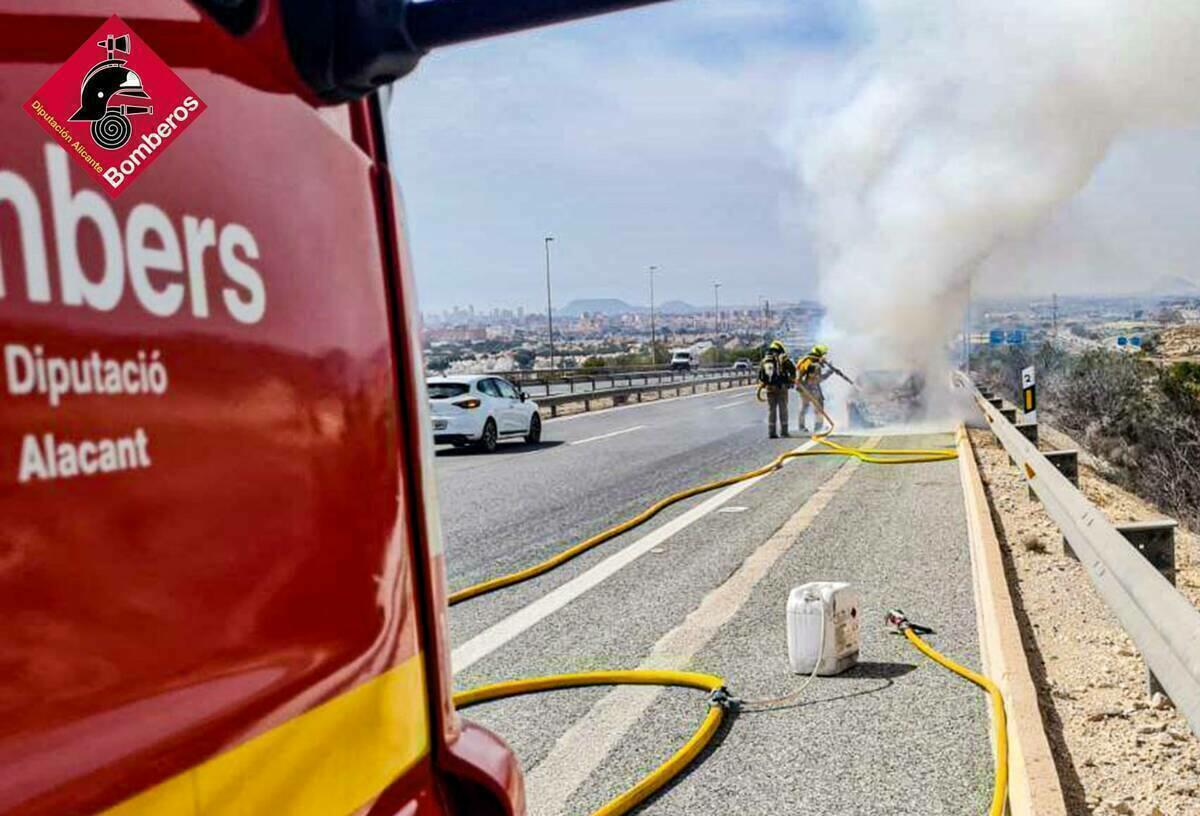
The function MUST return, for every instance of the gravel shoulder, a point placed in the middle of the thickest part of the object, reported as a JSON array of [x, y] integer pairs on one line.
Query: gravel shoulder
[[1118, 750]]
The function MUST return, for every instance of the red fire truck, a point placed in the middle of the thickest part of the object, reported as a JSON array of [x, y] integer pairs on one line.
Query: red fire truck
[[221, 581]]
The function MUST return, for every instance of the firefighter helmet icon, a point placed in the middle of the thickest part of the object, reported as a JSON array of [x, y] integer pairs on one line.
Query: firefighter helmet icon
[[105, 81]]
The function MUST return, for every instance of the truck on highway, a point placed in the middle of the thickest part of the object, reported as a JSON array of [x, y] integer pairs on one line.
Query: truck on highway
[[683, 360], [221, 576]]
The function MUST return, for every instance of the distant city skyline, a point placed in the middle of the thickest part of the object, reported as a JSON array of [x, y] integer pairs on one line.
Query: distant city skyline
[[982, 297], [632, 306]]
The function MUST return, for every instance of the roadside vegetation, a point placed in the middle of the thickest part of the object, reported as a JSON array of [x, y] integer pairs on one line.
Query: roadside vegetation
[[1139, 417], [728, 355]]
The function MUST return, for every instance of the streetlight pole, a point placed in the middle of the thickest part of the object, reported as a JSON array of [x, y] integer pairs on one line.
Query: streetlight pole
[[549, 305], [653, 349], [716, 310], [967, 330], [1054, 318]]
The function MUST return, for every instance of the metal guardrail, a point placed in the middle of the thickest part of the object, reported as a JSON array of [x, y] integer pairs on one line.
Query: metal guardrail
[[636, 391], [1164, 625], [554, 373], [538, 374], [591, 381]]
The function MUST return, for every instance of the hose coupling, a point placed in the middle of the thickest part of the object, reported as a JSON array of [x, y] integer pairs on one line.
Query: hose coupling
[[721, 697], [896, 621]]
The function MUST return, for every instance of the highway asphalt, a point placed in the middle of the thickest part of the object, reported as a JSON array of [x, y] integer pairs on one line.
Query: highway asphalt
[[898, 735]]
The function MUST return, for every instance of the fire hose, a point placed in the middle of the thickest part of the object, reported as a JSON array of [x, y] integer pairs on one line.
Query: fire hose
[[719, 699], [718, 704], [898, 622]]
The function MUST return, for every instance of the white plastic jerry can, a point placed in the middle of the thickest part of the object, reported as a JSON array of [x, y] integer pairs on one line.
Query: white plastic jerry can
[[823, 627]]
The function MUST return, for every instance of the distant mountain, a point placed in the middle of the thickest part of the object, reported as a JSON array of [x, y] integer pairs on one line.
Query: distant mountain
[[606, 306], [677, 307], [616, 306], [1174, 285]]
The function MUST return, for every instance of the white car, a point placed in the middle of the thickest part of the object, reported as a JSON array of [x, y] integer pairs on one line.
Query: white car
[[481, 410]]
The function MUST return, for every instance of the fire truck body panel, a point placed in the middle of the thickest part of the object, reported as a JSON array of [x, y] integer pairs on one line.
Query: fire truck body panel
[[221, 587]]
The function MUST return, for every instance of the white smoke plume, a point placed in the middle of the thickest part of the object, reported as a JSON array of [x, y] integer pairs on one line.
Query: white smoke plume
[[968, 123]]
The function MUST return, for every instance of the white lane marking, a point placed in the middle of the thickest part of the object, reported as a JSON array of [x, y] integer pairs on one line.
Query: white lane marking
[[607, 435], [730, 405], [499, 634], [734, 509], [580, 751], [647, 404]]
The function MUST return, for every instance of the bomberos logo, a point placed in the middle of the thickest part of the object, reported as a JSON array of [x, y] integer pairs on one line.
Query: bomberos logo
[[102, 94], [117, 114]]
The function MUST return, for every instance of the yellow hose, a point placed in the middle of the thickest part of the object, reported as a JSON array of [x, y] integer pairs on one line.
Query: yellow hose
[[1000, 724], [654, 780], [874, 456]]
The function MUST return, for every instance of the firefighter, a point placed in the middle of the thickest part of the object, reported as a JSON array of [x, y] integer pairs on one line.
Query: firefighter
[[813, 370], [776, 374]]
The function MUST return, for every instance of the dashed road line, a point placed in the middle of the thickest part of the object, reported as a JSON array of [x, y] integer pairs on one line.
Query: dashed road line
[[607, 435]]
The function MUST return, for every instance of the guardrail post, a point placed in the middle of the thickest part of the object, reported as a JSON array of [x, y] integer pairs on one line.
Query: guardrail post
[[1155, 540], [1030, 431], [553, 410], [1010, 414], [571, 383], [587, 405], [1066, 462], [639, 396]]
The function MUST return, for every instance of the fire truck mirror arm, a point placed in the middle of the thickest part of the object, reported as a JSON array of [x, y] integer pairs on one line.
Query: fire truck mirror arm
[[376, 42]]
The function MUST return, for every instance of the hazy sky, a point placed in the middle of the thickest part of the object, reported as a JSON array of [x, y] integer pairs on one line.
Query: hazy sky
[[647, 137], [670, 136], [1135, 224]]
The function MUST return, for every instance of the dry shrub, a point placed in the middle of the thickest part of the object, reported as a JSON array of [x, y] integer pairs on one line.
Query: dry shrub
[[1142, 422]]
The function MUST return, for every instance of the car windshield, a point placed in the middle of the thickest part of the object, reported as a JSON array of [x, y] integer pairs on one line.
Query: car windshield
[[446, 390]]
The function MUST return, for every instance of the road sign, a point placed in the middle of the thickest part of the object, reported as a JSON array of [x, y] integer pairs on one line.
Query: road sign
[[1029, 394], [1135, 341], [996, 337], [1122, 341], [1016, 337]]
